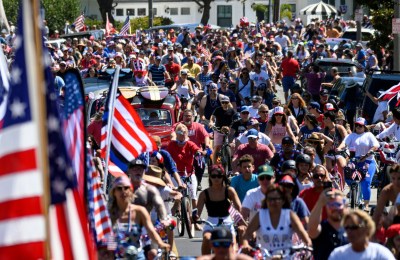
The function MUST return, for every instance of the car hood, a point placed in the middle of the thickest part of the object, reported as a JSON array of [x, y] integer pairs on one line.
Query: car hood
[[161, 131]]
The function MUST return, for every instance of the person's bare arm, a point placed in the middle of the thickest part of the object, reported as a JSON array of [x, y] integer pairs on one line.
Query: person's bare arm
[[373, 99], [203, 103], [157, 201], [299, 228], [380, 205], [145, 220], [254, 225], [245, 213], [234, 198], [314, 226]]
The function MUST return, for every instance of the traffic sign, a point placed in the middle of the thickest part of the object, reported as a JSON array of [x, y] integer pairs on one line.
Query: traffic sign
[[396, 25], [358, 15]]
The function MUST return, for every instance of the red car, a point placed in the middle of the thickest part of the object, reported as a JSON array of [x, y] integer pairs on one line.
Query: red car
[[158, 111]]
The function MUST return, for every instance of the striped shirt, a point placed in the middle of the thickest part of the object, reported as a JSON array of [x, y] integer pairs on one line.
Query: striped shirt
[[157, 72]]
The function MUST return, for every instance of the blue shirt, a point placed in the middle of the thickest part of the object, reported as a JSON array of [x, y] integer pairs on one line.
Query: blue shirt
[[300, 208], [169, 163], [241, 186], [157, 72], [361, 54]]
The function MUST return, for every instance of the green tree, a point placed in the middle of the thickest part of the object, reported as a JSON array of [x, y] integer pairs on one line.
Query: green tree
[[56, 12], [143, 22], [286, 11], [382, 12]]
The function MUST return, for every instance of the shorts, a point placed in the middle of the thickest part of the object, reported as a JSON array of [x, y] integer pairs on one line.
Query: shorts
[[218, 138], [288, 82], [227, 222], [192, 186]]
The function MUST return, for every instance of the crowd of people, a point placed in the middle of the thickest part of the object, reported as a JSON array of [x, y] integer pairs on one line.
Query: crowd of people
[[286, 152]]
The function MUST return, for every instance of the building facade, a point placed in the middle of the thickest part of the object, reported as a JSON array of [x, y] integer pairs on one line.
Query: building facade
[[224, 13]]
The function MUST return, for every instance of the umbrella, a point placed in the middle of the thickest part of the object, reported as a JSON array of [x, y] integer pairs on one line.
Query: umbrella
[[319, 9]]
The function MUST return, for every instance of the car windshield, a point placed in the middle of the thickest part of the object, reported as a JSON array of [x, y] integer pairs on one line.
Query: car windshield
[[342, 67], [353, 36], [155, 116]]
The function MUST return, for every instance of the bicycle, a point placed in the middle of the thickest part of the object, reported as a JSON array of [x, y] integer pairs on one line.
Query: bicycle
[[293, 252], [184, 216], [354, 174], [336, 176], [224, 156]]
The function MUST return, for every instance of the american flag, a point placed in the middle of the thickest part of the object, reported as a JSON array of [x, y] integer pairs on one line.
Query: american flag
[[108, 25], [79, 22], [129, 137], [22, 220], [391, 93], [4, 85], [98, 214], [126, 27], [74, 124], [235, 215]]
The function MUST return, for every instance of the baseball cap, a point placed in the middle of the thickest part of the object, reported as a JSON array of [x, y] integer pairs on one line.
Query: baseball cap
[[265, 169], [244, 109], [136, 162], [315, 105], [329, 107], [158, 58], [224, 98], [184, 72], [278, 110], [221, 234], [287, 140], [287, 179], [258, 35], [205, 64], [256, 98], [213, 86], [170, 48], [253, 121], [360, 121], [252, 133], [359, 45], [324, 92], [234, 35]]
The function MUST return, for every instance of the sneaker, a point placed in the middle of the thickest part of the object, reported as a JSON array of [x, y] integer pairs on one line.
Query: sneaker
[[199, 188]]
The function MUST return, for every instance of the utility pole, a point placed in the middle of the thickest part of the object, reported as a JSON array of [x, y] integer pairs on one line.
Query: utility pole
[[270, 13], [244, 7], [396, 40], [150, 13], [358, 18]]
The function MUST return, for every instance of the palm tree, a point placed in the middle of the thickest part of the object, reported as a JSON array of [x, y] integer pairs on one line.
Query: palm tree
[[286, 11]]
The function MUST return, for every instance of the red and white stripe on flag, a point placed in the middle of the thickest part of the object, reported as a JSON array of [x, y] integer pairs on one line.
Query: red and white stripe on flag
[[79, 22], [235, 215], [129, 136], [22, 223], [114, 170], [390, 93]]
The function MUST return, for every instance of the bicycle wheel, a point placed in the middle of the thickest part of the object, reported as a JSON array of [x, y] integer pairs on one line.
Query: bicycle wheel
[[226, 158], [180, 222], [187, 216]]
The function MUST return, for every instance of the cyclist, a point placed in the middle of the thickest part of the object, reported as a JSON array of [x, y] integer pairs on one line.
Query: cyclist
[[278, 128], [363, 143], [304, 177], [246, 180], [217, 199], [287, 153], [262, 138], [198, 135], [222, 244], [252, 201], [394, 129], [183, 151], [275, 222], [328, 234]]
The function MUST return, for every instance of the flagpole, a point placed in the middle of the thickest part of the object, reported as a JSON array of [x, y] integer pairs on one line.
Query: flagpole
[[112, 97], [40, 93]]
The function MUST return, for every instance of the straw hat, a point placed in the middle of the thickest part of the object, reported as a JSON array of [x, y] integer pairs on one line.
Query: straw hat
[[314, 138], [153, 176]]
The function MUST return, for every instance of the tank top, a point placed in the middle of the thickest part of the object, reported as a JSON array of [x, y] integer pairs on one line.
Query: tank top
[[244, 89], [211, 105], [304, 186], [217, 209], [278, 131], [271, 238], [127, 234], [183, 91], [336, 137]]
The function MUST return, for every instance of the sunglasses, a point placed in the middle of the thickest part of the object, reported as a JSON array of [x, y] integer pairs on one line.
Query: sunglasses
[[180, 132], [254, 101], [224, 102], [335, 205], [295, 98], [215, 176], [309, 108], [265, 112], [264, 177], [318, 176], [278, 115], [358, 125], [222, 244], [245, 112], [122, 188], [353, 227], [275, 103], [286, 185]]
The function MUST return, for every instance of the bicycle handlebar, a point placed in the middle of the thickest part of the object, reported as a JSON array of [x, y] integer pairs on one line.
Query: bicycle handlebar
[[282, 253]]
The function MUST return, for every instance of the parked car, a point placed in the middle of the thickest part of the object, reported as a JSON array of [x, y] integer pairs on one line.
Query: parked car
[[373, 83], [158, 110], [345, 66], [351, 34]]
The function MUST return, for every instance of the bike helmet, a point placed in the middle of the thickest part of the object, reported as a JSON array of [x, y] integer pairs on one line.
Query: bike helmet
[[303, 158], [288, 165]]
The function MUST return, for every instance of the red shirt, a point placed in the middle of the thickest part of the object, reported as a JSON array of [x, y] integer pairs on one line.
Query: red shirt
[[86, 64], [94, 128], [310, 197], [290, 67], [173, 70], [183, 155], [260, 154], [197, 133], [320, 120]]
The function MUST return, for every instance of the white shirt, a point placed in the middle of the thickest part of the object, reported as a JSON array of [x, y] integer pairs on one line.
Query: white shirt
[[362, 143], [262, 138], [283, 41], [252, 111], [259, 78], [373, 251], [382, 107], [253, 200], [391, 131]]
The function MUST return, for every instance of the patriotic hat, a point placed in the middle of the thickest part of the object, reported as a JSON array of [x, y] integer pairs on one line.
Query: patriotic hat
[[361, 121], [329, 107], [278, 110], [122, 181], [139, 66]]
